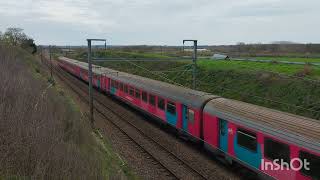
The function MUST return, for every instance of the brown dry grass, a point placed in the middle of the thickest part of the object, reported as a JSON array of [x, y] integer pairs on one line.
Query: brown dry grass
[[41, 135]]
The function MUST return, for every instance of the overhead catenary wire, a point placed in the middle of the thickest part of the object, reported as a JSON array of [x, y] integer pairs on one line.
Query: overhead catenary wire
[[170, 71], [175, 69], [179, 75], [163, 75]]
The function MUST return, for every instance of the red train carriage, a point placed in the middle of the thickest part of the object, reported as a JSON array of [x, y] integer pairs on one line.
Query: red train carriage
[[71, 68], [178, 106], [256, 136]]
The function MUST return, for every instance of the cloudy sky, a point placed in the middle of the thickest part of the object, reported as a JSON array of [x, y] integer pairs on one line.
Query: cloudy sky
[[159, 22]]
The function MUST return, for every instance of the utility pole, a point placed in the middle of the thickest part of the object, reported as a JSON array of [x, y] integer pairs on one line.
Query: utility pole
[[194, 60], [90, 76], [50, 63], [41, 48]]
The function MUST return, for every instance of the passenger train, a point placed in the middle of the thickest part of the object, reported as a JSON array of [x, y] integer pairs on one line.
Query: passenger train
[[274, 144]]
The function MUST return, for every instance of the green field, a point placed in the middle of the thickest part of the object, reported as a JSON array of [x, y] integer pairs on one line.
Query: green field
[[290, 59]]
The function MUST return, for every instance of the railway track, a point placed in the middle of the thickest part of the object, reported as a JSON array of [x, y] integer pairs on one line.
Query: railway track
[[159, 154]]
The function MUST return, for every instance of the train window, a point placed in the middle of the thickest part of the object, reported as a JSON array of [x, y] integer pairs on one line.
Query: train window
[[247, 139], [131, 91], [144, 96], [314, 171], [191, 116], [222, 126], [121, 86], [137, 93], [171, 108], [125, 89], [161, 104], [276, 150], [152, 100]]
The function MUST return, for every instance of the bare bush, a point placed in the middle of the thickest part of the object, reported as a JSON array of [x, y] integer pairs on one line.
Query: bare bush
[[307, 70], [41, 135]]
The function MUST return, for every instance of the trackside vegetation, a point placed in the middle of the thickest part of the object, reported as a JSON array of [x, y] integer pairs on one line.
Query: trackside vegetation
[[43, 134]]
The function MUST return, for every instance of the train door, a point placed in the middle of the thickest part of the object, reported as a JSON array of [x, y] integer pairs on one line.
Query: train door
[[99, 81], [108, 84], [171, 113], [223, 135], [185, 118], [103, 83], [113, 87]]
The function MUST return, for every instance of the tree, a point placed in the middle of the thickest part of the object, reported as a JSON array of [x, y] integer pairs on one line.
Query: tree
[[15, 36], [29, 45], [241, 46], [274, 49]]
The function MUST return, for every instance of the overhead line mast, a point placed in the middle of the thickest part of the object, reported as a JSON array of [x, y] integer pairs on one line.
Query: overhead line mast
[[194, 60], [90, 75]]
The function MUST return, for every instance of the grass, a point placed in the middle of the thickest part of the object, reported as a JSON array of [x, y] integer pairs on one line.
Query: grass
[[43, 134], [114, 165], [290, 59], [242, 66]]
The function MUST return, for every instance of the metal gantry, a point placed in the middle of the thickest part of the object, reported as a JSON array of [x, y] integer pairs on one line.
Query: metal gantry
[[90, 75], [194, 60]]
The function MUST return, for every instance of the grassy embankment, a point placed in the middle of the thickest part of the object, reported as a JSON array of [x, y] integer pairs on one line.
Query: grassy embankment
[[43, 134], [264, 84]]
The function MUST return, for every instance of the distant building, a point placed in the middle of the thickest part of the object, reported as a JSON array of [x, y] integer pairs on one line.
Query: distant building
[[220, 57], [199, 50], [65, 51]]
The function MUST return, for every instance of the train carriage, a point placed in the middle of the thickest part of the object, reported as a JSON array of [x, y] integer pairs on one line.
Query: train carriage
[[178, 106], [256, 136]]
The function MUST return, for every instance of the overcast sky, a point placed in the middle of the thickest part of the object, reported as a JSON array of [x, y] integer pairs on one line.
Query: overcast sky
[[159, 22]]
